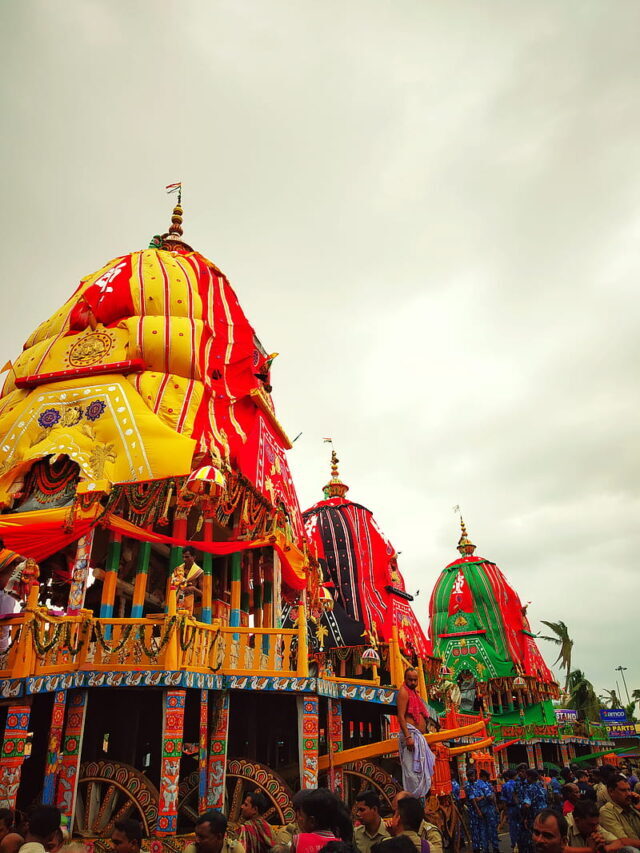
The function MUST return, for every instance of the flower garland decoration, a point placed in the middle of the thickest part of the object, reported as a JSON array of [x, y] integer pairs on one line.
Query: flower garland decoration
[[73, 650], [186, 645], [217, 651], [144, 502], [43, 647], [154, 651], [112, 650]]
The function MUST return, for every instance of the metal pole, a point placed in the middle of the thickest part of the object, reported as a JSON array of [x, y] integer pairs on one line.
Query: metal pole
[[622, 670]]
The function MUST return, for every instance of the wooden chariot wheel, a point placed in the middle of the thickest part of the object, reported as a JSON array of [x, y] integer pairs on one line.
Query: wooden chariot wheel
[[109, 791], [243, 776], [365, 775], [188, 796]]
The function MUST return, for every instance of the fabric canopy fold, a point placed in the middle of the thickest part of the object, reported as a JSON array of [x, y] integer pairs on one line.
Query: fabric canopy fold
[[292, 560], [40, 533]]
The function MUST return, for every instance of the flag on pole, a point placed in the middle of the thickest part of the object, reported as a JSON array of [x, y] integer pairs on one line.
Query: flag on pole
[[330, 440], [174, 188]]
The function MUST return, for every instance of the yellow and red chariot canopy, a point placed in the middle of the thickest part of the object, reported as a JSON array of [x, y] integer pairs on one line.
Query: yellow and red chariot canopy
[[150, 370]]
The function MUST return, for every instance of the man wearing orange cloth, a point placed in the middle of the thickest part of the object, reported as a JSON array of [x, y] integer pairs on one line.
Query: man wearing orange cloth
[[186, 580]]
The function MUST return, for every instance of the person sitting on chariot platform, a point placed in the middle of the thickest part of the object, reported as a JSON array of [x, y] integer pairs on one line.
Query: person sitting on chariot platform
[[185, 579]]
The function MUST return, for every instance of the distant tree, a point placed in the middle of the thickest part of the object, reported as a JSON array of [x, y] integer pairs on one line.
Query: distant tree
[[635, 695], [631, 712], [565, 642], [611, 699], [582, 696]]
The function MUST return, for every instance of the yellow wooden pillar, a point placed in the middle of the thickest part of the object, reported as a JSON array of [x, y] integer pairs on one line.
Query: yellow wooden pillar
[[303, 645], [398, 666], [26, 658], [422, 684], [207, 568], [171, 654]]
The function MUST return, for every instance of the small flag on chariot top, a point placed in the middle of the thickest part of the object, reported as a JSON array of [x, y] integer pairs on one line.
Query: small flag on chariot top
[[330, 440], [175, 188]]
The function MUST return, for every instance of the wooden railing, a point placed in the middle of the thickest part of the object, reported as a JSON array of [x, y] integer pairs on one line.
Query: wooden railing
[[59, 642], [15, 639], [125, 644], [36, 643], [201, 646], [262, 651]]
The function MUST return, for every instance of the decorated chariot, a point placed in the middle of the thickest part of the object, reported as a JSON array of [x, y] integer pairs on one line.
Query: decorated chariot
[[174, 631]]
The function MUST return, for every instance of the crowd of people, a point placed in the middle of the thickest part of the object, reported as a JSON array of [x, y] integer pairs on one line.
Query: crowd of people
[[596, 808], [572, 811]]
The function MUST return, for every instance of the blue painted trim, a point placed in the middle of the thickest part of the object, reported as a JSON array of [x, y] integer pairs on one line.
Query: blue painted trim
[[200, 681]]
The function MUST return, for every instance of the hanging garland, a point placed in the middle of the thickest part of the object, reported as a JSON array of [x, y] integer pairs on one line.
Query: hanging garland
[[185, 646], [212, 644], [152, 652], [42, 647], [57, 639], [47, 479], [73, 650], [144, 502], [86, 501], [112, 650]]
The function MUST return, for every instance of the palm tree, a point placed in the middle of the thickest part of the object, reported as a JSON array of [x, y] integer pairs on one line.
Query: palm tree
[[582, 696], [635, 695], [565, 642], [631, 712], [611, 699]]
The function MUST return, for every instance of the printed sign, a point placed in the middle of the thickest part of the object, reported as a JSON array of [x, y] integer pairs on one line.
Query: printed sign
[[566, 715], [614, 715], [628, 730]]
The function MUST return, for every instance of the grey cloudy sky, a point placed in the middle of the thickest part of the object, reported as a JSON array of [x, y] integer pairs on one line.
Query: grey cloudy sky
[[429, 209]]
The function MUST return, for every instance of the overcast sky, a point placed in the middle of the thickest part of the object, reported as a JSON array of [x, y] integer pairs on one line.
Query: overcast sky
[[429, 209]]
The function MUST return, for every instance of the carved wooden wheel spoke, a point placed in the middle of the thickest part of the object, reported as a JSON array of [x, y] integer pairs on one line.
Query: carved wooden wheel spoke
[[365, 775], [188, 802], [242, 776], [237, 799], [109, 791]]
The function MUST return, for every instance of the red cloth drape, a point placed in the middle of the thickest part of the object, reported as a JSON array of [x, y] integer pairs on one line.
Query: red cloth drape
[[41, 533], [291, 559]]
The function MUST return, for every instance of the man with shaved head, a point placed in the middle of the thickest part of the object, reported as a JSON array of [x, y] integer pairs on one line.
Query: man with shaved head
[[416, 758]]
